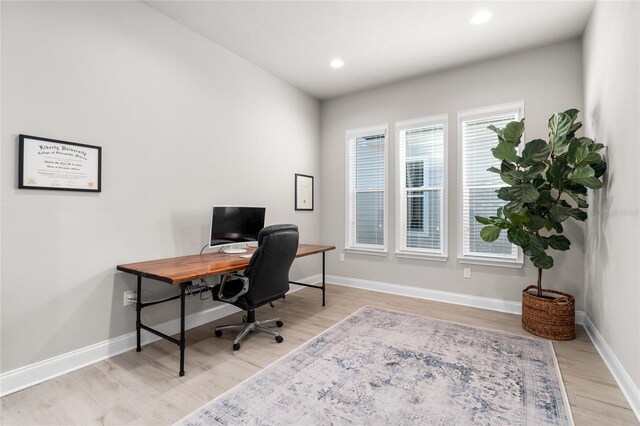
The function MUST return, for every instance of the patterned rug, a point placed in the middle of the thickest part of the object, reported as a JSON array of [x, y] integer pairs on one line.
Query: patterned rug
[[381, 367]]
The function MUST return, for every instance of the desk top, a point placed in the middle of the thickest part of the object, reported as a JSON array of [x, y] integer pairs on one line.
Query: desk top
[[176, 270]]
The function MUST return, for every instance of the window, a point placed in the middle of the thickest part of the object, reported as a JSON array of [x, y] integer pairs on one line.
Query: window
[[421, 188], [477, 186], [366, 190]]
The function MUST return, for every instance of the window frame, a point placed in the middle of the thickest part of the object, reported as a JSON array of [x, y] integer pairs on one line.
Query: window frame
[[350, 245], [400, 221], [479, 113]]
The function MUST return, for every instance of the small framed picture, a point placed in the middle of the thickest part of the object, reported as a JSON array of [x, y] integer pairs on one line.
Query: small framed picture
[[304, 192], [59, 165]]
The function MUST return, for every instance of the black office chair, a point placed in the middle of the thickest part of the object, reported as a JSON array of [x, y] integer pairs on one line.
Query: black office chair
[[264, 280]]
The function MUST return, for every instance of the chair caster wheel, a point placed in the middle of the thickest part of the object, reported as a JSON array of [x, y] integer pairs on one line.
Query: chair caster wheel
[[279, 323], [236, 346], [217, 333], [279, 339]]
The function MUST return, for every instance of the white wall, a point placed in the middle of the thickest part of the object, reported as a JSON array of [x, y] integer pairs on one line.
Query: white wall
[[612, 116], [183, 123], [548, 79]]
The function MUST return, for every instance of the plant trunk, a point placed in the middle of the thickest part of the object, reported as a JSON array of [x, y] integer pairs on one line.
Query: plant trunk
[[539, 282]]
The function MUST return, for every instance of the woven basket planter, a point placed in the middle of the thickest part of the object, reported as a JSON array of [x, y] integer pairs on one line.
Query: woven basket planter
[[552, 316]]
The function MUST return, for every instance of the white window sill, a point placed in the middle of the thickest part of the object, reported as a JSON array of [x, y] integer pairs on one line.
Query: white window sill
[[368, 252], [421, 256], [517, 264]]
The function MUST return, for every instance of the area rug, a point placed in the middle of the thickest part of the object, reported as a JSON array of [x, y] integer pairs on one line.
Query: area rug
[[381, 367]]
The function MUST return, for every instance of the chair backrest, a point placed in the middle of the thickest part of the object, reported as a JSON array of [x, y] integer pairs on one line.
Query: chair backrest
[[268, 269]]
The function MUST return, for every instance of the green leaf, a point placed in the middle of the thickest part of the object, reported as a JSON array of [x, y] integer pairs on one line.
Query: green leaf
[[497, 131], [503, 194], [483, 220], [558, 213], [574, 128], [558, 242], [572, 113], [558, 227], [594, 147], [494, 170], [524, 193], [585, 141], [542, 261], [506, 166], [490, 233], [534, 152], [575, 188], [535, 245], [535, 223], [599, 168], [545, 199], [513, 132], [559, 125], [508, 180], [557, 173], [574, 144], [585, 175], [514, 205], [505, 151], [577, 214], [592, 158], [534, 171], [518, 237], [516, 218], [579, 154], [515, 174], [582, 203], [501, 223], [548, 225]]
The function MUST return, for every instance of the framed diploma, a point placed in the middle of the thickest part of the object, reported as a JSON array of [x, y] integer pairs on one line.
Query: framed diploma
[[53, 164], [304, 192]]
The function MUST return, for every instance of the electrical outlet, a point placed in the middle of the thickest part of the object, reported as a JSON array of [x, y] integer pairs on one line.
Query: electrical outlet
[[129, 297], [341, 257], [467, 272]]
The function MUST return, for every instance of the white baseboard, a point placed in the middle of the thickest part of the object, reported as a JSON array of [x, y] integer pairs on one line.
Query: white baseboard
[[629, 389], [29, 375], [499, 305]]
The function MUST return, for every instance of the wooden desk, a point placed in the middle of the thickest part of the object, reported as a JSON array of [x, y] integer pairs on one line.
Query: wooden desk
[[183, 270]]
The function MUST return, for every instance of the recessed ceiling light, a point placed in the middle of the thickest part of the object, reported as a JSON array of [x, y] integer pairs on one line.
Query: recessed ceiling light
[[481, 17], [337, 63]]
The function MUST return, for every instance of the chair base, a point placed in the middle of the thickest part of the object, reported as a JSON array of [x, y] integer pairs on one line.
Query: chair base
[[250, 327]]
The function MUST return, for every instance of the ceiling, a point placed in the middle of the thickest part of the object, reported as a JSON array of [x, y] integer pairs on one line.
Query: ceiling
[[380, 42]]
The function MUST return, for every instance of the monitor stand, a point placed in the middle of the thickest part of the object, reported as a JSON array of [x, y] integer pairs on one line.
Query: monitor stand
[[233, 250]]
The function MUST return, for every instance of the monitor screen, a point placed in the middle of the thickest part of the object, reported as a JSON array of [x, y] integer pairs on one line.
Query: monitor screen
[[235, 224]]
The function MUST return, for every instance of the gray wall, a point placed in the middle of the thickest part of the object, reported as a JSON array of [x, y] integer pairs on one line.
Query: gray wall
[[548, 79], [611, 86], [183, 123]]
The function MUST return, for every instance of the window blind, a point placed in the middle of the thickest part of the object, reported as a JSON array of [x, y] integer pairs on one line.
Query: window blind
[[479, 186], [421, 180], [366, 190]]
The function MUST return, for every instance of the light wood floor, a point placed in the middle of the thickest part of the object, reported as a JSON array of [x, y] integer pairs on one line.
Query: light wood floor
[[144, 388]]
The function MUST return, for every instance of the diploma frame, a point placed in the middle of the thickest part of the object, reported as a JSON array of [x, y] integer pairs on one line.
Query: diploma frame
[[304, 192], [87, 160]]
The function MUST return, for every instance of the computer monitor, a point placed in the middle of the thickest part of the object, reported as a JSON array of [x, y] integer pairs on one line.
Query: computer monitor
[[231, 225]]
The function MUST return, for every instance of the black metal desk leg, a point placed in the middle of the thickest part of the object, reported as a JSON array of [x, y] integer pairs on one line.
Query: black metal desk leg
[[138, 309], [323, 283], [182, 340]]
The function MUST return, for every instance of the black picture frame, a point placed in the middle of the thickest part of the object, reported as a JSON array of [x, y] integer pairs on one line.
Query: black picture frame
[[58, 165], [304, 192]]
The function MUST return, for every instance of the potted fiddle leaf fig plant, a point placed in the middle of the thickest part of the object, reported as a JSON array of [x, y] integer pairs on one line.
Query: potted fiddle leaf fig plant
[[545, 184]]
